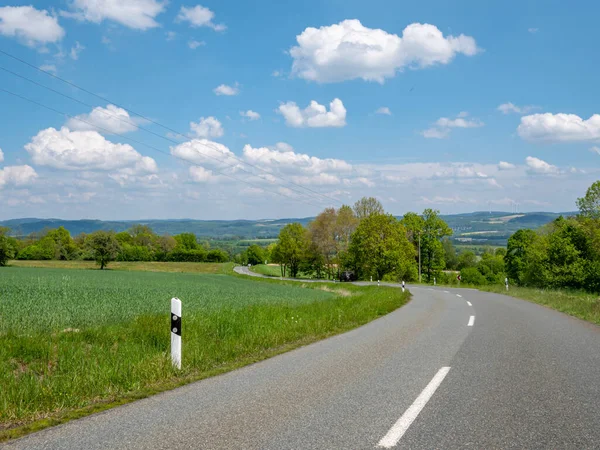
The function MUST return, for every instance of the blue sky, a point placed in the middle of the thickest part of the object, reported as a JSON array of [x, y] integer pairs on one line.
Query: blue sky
[[421, 104]]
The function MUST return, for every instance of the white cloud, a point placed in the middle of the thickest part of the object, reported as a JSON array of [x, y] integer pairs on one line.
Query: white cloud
[[559, 128], [384, 110], [193, 44], [136, 14], [507, 108], [204, 152], [503, 165], [84, 150], [594, 149], [110, 120], [208, 127], [171, 35], [49, 68], [201, 175], [349, 50], [17, 176], [33, 27], [322, 179], [252, 115], [76, 50], [223, 89], [536, 165], [314, 115], [440, 200], [277, 73], [199, 16], [1, 155], [443, 126], [283, 158], [533, 30]]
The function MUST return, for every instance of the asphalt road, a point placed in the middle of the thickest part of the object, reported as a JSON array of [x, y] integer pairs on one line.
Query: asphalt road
[[454, 368]]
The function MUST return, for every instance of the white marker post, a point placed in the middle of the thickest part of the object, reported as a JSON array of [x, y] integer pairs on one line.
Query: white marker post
[[434, 281], [176, 332], [377, 282], [506, 283], [402, 285]]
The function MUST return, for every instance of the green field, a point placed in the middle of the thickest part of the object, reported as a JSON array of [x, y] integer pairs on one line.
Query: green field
[[75, 341]]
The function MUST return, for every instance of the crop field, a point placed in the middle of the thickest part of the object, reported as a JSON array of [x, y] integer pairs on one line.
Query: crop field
[[77, 341]]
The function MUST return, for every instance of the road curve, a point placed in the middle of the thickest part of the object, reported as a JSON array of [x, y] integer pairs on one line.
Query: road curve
[[454, 368]]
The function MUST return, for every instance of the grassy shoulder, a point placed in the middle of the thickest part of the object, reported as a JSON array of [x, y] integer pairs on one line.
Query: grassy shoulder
[[583, 305], [50, 375], [141, 266]]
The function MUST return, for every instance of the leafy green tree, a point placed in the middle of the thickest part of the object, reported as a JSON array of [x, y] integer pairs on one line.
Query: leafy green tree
[[466, 259], [414, 225], [8, 246], [380, 247], [64, 246], [450, 255], [104, 246], [217, 255], [517, 250], [186, 241], [432, 251], [255, 255], [292, 247], [366, 207], [589, 205]]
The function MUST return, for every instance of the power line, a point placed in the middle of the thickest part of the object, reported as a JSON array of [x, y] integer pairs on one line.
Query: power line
[[142, 117], [50, 108]]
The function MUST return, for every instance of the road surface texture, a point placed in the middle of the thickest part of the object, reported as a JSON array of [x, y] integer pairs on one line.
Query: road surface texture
[[454, 368]]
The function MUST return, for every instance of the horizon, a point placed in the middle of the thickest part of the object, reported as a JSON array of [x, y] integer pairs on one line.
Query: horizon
[[425, 105]]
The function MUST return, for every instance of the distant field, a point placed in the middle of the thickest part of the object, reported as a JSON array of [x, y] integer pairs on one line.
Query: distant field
[[74, 341], [131, 266]]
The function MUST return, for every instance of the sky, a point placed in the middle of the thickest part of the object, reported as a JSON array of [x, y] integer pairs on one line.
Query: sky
[[149, 109]]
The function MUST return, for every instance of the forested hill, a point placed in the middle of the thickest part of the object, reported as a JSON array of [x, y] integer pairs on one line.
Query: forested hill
[[470, 228]]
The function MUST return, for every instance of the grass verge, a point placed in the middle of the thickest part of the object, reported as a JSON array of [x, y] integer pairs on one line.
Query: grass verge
[[583, 305], [53, 375]]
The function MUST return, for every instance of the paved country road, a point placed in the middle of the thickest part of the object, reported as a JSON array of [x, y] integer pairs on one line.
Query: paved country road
[[454, 368]]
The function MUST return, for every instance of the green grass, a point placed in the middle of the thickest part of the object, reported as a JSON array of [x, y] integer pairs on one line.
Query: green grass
[[78, 341], [274, 271], [141, 266], [583, 305]]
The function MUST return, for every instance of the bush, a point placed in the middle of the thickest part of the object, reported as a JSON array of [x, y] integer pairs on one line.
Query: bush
[[187, 255], [218, 256], [471, 275]]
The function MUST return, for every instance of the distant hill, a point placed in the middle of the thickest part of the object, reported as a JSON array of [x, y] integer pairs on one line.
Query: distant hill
[[478, 228]]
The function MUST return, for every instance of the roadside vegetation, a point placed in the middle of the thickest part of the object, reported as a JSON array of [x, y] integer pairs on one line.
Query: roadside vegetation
[[89, 339], [135, 266]]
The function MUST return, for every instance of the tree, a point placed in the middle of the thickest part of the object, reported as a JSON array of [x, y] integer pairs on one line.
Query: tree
[[414, 225], [104, 246], [255, 255], [466, 259], [8, 246], [517, 250], [449, 254], [366, 207], [589, 206], [292, 246], [380, 247], [186, 241], [322, 235], [64, 246], [432, 252]]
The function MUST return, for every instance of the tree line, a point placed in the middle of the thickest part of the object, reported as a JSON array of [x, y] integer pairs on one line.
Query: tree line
[[139, 243]]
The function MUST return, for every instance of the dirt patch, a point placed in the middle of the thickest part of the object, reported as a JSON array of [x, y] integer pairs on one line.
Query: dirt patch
[[340, 292]]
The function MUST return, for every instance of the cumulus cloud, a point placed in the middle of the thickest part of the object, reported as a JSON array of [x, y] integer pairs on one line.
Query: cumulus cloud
[[201, 175], [208, 127], [171, 35], [283, 158], [314, 115], [1, 155], [31, 26], [224, 89], [559, 128], [384, 110], [443, 126], [507, 108], [204, 152], [252, 115], [199, 16], [193, 44], [595, 149], [536, 165], [135, 14], [49, 68], [503, 165], [349, 50], [440, 200], [76, 50], [17, 176], [109, 120], [84, 150]]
